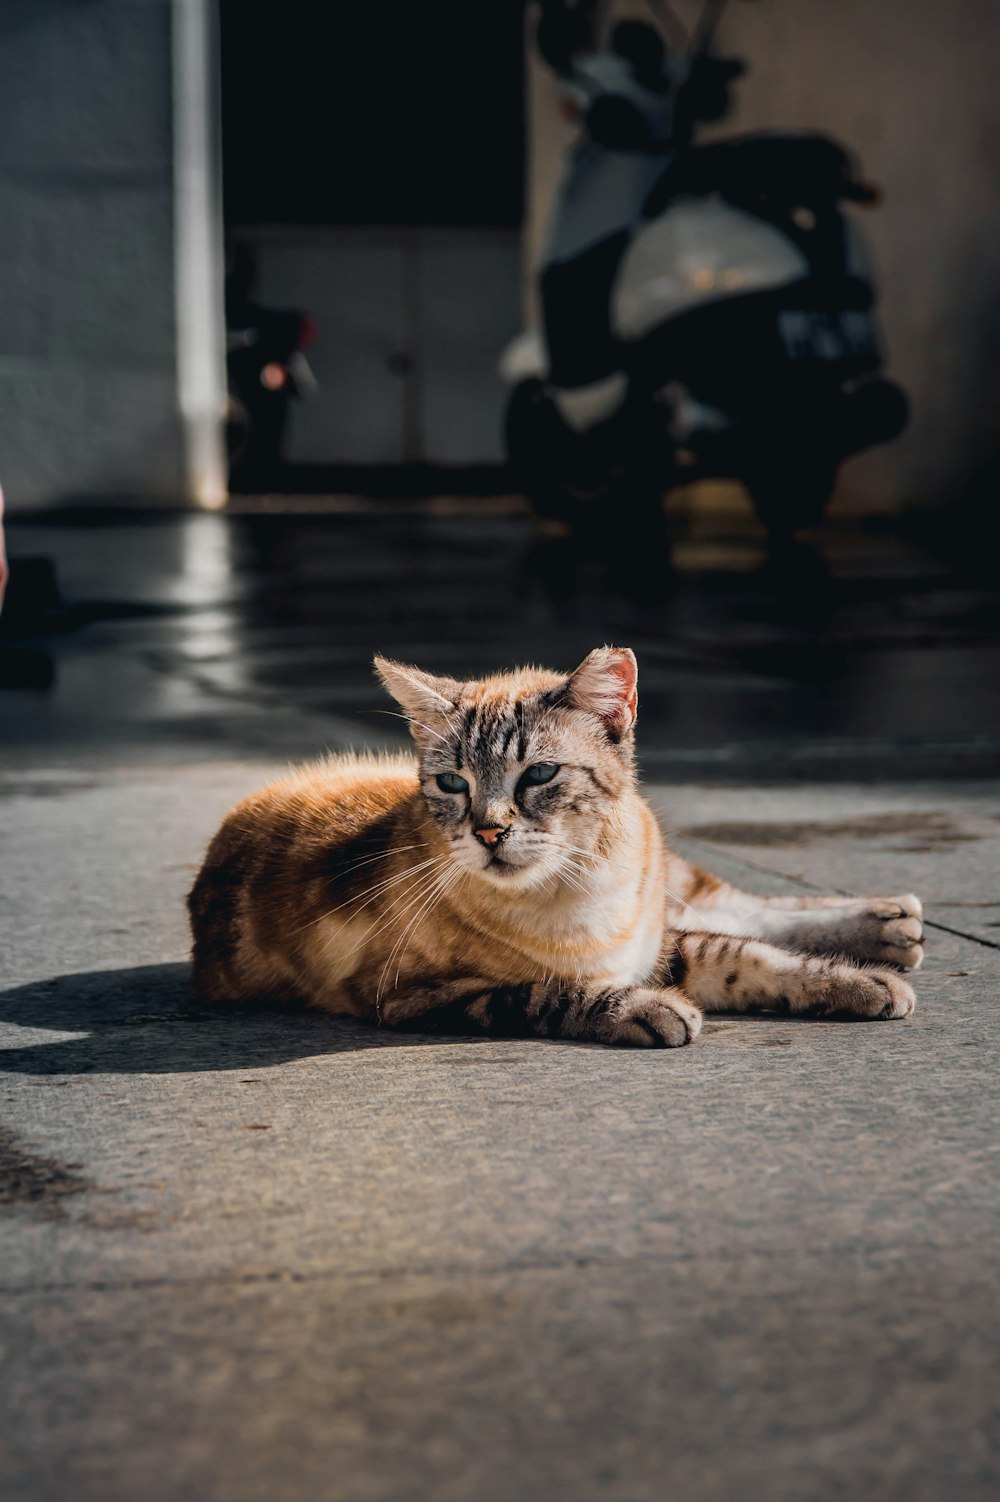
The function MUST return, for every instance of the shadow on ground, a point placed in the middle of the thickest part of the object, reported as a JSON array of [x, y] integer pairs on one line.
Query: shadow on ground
[[146, 1021]]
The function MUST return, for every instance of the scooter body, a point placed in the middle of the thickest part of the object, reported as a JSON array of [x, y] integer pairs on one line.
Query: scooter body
[[712, 316]]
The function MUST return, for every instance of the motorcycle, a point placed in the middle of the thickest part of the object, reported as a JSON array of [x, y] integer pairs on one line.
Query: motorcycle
[[708, 311], [266, 367]]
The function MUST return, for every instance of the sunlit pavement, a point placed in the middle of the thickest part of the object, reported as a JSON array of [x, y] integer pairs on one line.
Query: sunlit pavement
[[255, 1256]]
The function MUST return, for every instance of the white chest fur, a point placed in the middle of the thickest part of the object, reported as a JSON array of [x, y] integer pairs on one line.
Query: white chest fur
[[626, 923], [611, 932]]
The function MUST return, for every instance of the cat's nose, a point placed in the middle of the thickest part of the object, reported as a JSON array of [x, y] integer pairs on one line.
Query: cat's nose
[[491, 834]]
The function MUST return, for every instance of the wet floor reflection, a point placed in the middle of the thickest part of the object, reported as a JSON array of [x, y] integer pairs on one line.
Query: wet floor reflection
[[180, 635]]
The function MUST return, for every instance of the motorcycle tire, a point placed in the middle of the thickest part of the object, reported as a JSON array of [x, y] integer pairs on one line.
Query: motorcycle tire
[[787, 499], [237, 428], [565, 476]]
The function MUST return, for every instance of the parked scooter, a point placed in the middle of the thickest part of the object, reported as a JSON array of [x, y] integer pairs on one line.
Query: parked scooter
[[266, 367], [707, 311]]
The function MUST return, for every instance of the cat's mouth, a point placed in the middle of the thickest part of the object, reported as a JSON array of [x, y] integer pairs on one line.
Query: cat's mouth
[[502, 867], [508, 868]]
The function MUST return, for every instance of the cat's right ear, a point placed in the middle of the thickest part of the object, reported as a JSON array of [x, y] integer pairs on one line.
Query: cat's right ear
[[604, 685], [425, 699]]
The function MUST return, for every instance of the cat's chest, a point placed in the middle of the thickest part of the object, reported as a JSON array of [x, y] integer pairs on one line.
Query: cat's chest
[[629, 944], [610, 938]]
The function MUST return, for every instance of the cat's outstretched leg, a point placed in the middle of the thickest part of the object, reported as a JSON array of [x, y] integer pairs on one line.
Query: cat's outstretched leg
[[640, 1016], [725, 973], [883, 930]]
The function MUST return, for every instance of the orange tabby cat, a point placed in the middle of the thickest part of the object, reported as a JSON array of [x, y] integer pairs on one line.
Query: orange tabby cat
[[512, 880]]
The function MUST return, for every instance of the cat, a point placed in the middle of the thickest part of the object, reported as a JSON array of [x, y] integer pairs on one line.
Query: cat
[[511, 880]]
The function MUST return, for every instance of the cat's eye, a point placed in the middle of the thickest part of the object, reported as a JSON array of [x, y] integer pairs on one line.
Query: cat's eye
[[542, 771], [450, 782]]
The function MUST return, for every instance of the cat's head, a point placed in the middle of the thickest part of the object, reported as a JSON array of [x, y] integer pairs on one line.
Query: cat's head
[[524, 773]]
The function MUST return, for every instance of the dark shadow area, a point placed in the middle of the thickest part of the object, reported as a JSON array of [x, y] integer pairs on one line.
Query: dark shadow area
[[362, 109], [145, 1020], [394, 482]]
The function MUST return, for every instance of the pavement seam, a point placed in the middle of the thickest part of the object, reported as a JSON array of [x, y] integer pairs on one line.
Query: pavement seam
[[389, 1274]]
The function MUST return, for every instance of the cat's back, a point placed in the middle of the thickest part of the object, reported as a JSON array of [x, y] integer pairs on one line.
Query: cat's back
[[331, 801], [272, 861]]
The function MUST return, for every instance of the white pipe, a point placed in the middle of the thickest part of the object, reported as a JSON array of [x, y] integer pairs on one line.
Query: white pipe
[[198, 250]]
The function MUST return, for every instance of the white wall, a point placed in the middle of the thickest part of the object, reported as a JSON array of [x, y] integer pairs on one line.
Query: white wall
[[445, 299], [88, 349], [912, 86]]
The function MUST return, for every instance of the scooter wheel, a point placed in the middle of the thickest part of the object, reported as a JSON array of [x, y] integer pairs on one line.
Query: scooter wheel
[[792, 499], [563, 474]]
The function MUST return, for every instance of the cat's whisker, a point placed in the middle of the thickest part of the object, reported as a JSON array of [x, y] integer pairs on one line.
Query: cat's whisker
[[395, 912], [537, 724], [574, 884], [411, 721], [371, 893], [676, 897], [590, 855], [357, 897], [384, 855], [447, 882], [438, 885], [577, 881]]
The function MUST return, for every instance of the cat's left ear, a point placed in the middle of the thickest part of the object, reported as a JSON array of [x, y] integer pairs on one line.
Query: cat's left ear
[[604, 685], [424, 698]]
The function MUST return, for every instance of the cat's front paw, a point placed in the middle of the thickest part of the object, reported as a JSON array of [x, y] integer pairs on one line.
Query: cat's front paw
[[878, 995], [647, 1017]]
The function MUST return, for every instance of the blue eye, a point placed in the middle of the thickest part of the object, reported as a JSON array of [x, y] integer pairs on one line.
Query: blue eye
[[543, 771], [450, 782]]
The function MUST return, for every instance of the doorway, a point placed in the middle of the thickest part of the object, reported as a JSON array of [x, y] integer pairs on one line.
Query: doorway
[[373, 171]]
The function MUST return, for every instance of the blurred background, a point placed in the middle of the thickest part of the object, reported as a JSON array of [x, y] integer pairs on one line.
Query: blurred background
[[483, 334]]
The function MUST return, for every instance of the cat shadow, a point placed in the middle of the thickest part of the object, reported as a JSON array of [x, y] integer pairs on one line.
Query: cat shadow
[[146, 1021]]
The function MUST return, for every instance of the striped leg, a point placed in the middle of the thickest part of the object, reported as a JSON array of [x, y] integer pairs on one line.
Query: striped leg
[[725, 973], [884, 930], [640, 1016]]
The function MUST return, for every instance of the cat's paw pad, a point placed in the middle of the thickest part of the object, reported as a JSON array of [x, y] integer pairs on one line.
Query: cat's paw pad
[[900, 930], [883, 930], [896, 995], [878, 995], [649, 1018]]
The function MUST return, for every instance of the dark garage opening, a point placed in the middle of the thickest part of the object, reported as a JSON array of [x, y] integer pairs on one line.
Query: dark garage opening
[[373, 172]]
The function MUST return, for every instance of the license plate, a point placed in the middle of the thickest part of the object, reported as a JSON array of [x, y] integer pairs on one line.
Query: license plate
[[810, 335]]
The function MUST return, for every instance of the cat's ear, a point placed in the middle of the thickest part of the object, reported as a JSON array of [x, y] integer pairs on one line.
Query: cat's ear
[[423, 698], [604, 685]]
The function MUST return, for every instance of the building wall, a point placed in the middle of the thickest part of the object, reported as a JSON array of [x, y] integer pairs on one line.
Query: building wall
[[104, 390], [911, 86], [89, 401], [88, 357]]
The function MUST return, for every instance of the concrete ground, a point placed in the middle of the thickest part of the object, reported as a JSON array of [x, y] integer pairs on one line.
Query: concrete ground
[[276, 1256]]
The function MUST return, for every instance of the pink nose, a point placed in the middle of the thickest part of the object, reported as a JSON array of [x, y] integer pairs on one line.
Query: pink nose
[[490, 835]]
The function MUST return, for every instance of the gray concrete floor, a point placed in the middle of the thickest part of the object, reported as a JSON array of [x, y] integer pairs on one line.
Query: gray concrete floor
[[259, 1256]]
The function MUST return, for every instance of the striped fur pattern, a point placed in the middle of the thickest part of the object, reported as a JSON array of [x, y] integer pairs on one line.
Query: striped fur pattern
[[510, 879]]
